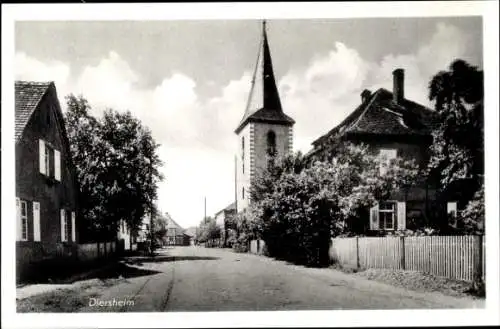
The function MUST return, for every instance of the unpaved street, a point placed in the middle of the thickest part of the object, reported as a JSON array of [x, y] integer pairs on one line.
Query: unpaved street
[[201, 279]]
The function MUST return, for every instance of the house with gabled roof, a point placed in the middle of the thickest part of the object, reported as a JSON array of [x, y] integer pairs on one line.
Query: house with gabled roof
[[175, 233], [392, 126], [46, 184], [221, 220]]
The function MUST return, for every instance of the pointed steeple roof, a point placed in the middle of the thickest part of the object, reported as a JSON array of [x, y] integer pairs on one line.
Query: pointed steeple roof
[[264, 104]]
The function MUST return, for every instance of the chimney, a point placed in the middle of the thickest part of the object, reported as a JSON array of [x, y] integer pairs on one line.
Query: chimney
[[365, 95], [398, 91]]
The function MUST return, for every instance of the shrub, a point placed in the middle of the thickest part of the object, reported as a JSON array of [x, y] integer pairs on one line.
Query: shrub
[[296, 209]]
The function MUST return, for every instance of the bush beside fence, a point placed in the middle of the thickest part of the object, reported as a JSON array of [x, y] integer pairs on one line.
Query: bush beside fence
[[455, 257]]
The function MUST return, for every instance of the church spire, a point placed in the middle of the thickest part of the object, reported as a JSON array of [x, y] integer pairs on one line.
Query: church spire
[[263, 99], [271, 96]]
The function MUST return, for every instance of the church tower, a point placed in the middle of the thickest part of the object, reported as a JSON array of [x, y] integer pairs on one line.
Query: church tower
[[265, 132]]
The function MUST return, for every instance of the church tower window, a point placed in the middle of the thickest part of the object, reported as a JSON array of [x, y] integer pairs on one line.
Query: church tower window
[[243, 154], [271, 143]]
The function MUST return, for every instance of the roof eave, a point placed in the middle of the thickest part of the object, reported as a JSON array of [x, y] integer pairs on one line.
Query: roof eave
[[286, 122]]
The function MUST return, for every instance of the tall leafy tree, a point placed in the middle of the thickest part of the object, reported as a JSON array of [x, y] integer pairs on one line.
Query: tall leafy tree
[[117, 168], [208, 230], [160, 223], [457, 152]]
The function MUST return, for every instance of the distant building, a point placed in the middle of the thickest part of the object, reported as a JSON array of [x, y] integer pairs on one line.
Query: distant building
[[175, 233], [392, 126], [125, 235], [46, 183], [221, 219], [190, 234], [265, 133], [143, 231]]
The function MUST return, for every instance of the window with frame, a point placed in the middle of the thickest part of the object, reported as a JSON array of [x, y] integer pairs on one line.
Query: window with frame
[[387, 215], [386, 155], [49, 161], [451, 209], [243, 193], [243, 154], [243, 147], [271, 143], [67, 228], [24, 220]]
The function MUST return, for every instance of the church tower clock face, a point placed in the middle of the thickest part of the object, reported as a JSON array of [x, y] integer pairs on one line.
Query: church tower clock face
[[265, 133]]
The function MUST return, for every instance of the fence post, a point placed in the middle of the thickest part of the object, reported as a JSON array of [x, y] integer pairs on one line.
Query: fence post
[[402, 251], [478, 275], [357, 253]]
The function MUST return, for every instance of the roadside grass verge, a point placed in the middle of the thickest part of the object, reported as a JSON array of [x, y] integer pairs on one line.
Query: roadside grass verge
[[70, 299], [422, 282], [60, 300]]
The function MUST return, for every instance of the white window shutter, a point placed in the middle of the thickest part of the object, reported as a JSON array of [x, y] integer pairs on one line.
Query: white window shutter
[[41, 151], [57, 165], [63, 229], [37, 236], [401, 216], [451, 208], [374, 225], [73, 226], [18, 216]]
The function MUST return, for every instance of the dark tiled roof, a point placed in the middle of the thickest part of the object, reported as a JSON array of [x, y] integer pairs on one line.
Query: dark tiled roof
[[231, 207], [380, 115], [383, 116], [268, 115], [27, 96]]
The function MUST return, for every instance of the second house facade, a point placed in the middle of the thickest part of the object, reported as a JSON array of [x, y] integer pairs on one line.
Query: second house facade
[[392, 126]]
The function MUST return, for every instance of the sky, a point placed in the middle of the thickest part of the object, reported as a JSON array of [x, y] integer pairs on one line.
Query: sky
[[188, 81]]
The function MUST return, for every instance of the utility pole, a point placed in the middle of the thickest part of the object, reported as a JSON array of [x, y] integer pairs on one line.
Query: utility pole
[[236, 183], [205, 220], [151, 210]]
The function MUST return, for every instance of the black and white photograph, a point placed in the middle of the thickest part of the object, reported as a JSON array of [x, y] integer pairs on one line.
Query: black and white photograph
[[166, 164]]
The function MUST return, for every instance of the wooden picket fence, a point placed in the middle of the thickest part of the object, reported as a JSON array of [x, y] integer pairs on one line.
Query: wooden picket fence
[[455, 257]]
